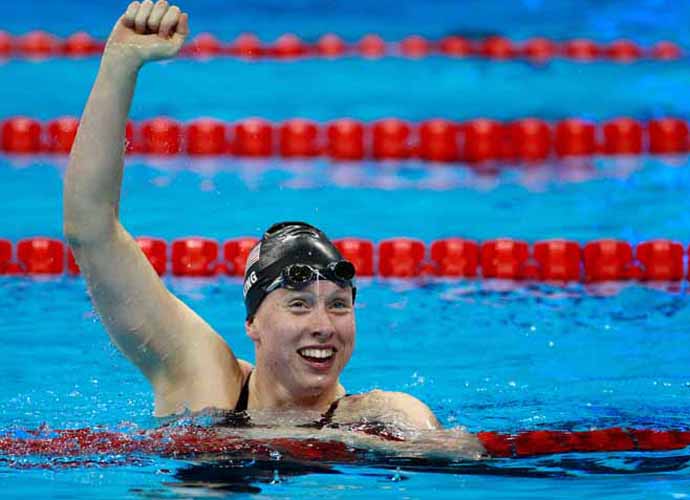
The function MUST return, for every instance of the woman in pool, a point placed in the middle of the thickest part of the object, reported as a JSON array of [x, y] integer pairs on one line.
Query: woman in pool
[[298, 290]]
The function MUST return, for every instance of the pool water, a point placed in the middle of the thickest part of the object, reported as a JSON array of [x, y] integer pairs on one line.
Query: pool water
[[486, 355]]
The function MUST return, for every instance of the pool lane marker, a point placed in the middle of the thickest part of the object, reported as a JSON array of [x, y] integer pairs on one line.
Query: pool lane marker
[[477, 141], [557, 261], [40, 44], [192, 441]]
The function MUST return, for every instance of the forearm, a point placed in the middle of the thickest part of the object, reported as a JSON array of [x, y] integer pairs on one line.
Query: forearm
[[94, 174]]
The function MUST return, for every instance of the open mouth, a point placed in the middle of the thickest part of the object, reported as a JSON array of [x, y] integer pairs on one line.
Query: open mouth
[[317, 355]]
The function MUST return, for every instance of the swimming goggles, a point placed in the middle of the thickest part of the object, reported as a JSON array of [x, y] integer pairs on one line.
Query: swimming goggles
[[298, 276]]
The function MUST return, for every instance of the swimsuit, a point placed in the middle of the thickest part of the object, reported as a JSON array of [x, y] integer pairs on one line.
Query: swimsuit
[[239, 418], [239, 415]]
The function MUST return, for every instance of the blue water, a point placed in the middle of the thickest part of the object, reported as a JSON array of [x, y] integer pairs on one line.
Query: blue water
[[481, 356]]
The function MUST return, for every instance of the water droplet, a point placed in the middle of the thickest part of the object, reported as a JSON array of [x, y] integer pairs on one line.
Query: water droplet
[[276, 477]]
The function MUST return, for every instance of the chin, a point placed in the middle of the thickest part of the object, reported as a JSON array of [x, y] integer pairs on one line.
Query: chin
[[315, 385]]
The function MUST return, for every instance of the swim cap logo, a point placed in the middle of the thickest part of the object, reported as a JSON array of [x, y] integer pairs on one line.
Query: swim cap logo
[[254, 256], [251, 279]]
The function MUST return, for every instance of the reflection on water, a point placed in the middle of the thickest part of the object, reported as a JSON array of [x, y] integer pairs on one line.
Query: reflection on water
[[249, 475]]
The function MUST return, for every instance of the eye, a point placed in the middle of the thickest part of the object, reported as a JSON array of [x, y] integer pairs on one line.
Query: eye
[[298, 304], [340, 304]]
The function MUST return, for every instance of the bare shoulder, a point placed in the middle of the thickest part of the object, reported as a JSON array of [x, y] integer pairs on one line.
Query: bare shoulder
[[397, 408]]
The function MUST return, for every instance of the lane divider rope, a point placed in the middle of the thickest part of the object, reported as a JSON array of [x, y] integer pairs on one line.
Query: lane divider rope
[[40, 44], [555, 260], [436, 140], [197, 440]]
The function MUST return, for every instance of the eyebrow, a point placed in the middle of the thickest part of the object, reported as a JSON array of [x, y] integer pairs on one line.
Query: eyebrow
[[341, 293]]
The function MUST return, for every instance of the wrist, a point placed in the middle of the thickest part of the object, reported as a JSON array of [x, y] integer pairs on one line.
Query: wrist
[[120, 59]]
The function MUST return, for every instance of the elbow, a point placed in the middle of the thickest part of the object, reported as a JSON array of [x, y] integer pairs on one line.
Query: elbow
[[85, 227]]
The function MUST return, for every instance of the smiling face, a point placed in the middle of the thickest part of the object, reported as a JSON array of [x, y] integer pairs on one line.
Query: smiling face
[[304, 338]]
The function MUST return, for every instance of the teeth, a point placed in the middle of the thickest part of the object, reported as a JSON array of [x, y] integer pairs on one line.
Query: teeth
[[317, 353]]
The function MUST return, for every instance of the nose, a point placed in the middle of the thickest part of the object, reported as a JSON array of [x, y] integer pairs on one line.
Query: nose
[[321, 323]]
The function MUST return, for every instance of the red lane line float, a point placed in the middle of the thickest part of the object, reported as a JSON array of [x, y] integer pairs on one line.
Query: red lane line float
[[156, 251], [391, 139], [41, 256], [206, 137], [235, 253], [253, 137], [558, 260], [288, 46], [81, 44], [415, 47], [61, 134], [622, 136], [531, 139], [204, 45], [130, 144], [555, 260], [300, 138], [607, 260], [358, 251], [623, 51], [455, 257], [161, 136], [194, 257], [653, 440], [372, 46], [38, 44], [668, 136], [6, 44], [401, 258], [581, 49], [187, 442], [21, 135], [72, 266], [504, 258], [455, 46], [666, 51], [5, 256], [497, 47], [575, 137], [247, 46], [661, 260], [330, 45], [539, 49], [345, 139], [438, 140], [484, 140]]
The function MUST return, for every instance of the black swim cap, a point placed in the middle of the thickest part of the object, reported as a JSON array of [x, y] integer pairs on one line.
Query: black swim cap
[[288, 244]]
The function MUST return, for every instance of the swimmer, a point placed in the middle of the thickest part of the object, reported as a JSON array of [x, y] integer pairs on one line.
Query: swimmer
[[299, 292]]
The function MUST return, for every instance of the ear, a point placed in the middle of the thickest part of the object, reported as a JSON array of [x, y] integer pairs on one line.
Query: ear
[[250, 327]]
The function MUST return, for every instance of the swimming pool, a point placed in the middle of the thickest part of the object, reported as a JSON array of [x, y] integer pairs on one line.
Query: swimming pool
[[484, 354]]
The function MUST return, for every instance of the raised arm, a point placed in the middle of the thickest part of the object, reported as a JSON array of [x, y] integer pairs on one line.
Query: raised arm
[[188, 364]]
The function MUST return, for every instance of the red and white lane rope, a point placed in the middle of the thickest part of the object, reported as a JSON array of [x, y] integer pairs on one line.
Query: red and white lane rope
[[554, 260], [193, 441], [40, 44], [437, 140]]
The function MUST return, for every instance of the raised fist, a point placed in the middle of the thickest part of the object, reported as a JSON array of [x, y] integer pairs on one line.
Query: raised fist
[[148, 31]]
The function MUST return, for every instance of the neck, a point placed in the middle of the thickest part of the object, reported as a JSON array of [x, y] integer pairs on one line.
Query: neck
[[266, 393]]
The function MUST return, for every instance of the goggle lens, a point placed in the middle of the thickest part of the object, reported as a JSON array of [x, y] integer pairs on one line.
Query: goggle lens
[[300, 275]]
